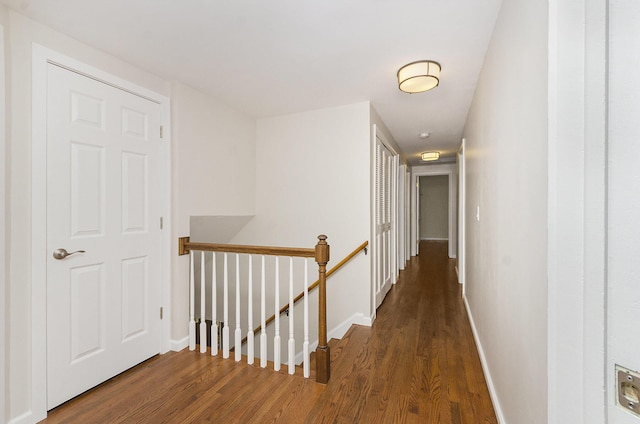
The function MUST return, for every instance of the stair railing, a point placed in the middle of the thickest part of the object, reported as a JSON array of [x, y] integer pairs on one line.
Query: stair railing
[[321, 255], [313, 286]]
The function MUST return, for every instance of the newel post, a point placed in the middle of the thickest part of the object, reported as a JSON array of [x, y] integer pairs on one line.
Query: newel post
[[323, 357]]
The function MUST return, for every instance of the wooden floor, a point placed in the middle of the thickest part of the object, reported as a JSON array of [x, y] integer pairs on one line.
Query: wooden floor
[[417, 364]]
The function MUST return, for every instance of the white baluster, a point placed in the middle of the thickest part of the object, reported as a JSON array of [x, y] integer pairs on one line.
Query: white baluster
[[203, 319], [192, 306], [238, 341], [305, 346], [292, 343], [263, 333], [214, 306], [250, 335], [225, 328], [276, 339]]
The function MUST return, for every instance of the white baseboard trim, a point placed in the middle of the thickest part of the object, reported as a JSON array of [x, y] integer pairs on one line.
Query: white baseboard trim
[[178, 345], [459, 276], [368, 321], [485, 368], [434, 239], [25, 418], [338, 332]]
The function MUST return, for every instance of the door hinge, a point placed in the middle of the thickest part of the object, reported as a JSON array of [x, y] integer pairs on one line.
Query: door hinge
[[161, 223], [161, 131], [161, 312]]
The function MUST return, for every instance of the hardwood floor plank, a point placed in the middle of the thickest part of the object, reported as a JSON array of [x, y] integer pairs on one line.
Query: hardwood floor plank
[[417, 364]]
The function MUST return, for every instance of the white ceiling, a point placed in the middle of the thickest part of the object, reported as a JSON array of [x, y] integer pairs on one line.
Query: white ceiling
[[268, 58]]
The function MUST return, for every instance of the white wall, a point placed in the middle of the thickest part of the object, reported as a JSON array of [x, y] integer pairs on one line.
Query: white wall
[[434, 207], [312, 177], [506, 170], [213, 173]]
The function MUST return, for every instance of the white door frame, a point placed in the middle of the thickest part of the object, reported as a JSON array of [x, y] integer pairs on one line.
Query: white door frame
[[461, 214], [433, 170], [577, 191], [407, 214], [402, 206], [3, 214], [41, 57], [375, 135]]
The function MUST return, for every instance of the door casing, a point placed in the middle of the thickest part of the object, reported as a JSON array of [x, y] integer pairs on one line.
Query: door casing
[[3, 213], [393, 194], [461, 214], [429, 170]]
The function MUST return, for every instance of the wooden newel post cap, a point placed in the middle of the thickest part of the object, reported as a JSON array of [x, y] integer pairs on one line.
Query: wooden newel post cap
[[322, 250]]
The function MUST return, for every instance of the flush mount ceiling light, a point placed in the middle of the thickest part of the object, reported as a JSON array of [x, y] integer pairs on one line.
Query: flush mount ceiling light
[[416, 77], [428, 156], [424, 135]]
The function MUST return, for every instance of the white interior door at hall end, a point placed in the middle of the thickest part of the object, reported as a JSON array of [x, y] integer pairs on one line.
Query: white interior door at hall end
[[103, 304]]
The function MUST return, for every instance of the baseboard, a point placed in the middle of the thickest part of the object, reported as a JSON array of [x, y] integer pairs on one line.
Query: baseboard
[[26, 418], [178, 345], [338, 332], [434, 239], [485, 367]]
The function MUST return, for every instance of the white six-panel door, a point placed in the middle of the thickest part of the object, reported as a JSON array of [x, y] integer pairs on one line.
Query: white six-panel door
[[103, 305]]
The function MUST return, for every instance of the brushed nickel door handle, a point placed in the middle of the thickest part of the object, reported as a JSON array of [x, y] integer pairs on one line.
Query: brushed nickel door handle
[[62, 253]]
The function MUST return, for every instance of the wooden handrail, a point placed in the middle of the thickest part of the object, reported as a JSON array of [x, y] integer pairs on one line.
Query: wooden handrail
[[312, 286], [184, 246]]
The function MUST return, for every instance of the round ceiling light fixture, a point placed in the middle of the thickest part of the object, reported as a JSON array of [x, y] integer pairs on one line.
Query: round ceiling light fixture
[[424, 135], [416, 77]]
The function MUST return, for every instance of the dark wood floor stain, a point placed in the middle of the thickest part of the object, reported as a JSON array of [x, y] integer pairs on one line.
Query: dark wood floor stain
[[417, 364]]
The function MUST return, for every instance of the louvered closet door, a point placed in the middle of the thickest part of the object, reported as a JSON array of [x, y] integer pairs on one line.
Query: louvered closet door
[[384, 268], [103, 154]]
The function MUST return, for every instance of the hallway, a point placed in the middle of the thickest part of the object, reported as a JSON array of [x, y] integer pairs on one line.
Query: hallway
[[417, 364]]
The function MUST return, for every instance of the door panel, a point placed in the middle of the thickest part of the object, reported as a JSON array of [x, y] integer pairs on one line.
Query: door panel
[[103, 305], [135, 282], [86, 311], [134, 192], [87, 190]]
